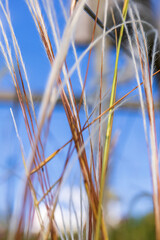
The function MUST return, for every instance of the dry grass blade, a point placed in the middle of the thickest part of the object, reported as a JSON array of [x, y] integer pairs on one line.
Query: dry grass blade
[[143, 54]]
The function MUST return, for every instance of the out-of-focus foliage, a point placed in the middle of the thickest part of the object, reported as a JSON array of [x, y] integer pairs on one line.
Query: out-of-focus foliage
[[128, 229], [135, 229]]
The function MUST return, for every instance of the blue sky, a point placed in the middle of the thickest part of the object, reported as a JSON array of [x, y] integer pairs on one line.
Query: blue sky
[[130, 173]]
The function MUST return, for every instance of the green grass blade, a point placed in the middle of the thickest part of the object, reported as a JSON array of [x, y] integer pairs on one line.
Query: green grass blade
[[109, 127]]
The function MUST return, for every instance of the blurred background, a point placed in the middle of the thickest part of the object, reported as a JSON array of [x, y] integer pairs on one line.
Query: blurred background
[[129, 182]]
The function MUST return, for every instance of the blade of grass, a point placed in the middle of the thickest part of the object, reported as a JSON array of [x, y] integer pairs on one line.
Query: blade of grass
[[109, 127]]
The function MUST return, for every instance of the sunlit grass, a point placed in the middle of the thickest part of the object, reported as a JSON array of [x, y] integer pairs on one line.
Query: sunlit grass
[[93, 169]]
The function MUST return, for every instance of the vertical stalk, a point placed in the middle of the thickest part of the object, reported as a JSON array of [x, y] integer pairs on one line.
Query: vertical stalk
[[109, 127]]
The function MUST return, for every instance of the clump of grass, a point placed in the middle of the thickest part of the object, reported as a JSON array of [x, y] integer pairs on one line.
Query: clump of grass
[[93, 170]]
